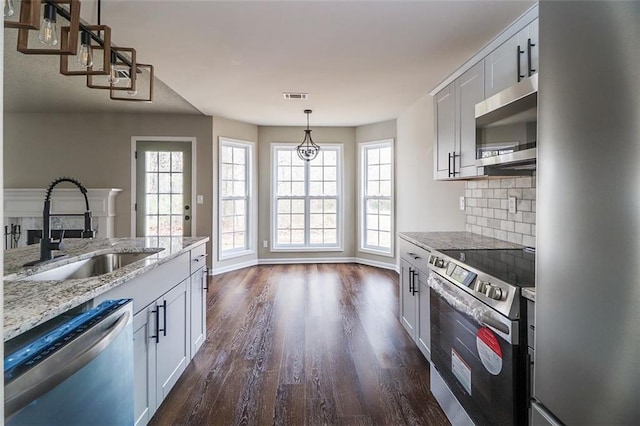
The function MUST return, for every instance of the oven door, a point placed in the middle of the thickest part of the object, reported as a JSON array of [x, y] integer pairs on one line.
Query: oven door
[[477, 353]]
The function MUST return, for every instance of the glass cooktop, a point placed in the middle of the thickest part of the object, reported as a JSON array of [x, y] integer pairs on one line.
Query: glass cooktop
[[515, 267]]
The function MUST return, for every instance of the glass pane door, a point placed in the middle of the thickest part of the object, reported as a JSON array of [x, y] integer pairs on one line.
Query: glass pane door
[[163, 189]]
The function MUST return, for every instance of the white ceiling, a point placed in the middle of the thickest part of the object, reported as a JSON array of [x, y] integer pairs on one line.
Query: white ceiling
[[360, 61]]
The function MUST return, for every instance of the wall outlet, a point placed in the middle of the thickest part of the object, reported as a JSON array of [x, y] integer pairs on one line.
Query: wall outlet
[[199, 199], [512, 204], [462, 203], [265, 244]]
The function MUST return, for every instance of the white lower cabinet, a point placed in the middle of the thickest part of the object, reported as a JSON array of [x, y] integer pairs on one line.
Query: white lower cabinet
[[198, 282], [144, 367], [168, 326], [172, 349]]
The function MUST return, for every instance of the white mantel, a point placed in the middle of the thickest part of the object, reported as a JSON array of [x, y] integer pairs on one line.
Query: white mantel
[[24, 207]]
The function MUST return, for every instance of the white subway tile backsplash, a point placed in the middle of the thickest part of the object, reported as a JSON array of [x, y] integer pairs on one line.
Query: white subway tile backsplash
[[487, 209], [528, 240], [494, 183]]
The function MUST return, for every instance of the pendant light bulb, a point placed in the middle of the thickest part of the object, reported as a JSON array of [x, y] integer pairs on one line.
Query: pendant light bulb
[[48, 31], [8, 8], [113, 72], [85, 53], [307, 150]]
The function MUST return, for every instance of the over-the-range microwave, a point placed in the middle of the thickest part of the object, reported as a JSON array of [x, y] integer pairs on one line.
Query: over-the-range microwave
[[506, 128]]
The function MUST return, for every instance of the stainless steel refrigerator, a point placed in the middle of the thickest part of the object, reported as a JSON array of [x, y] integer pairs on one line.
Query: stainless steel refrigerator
[[587, 356]]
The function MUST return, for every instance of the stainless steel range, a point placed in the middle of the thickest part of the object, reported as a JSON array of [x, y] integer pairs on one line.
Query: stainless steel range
[[478, 338]]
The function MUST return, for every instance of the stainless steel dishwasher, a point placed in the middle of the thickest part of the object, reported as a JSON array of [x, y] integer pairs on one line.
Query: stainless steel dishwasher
[[79, 373]]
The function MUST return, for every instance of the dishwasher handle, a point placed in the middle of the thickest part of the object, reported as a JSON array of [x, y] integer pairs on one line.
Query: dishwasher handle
[[38, 381]]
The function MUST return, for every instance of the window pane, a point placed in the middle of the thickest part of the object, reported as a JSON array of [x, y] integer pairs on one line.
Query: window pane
[[316, 173], [373, 188], [297, 173], [315, 188], [151, 225], [226, 155], [238, 172], [284, 206], [152, 204], [284, 221], [226, 224], [330, 188], [384, 239], [176, 183], [372, 221], [239, 188], [151, 185], [385, 207], [372, 206], [164, 225], [385, 155], [316, 206], [377, 179], [316, 221], [330, 173], [284, 158], [315, 236], [227, 241], [384, 223], [297, 221], [239, 240], [164, 183], [227, 208], [177, 163], [330, 236], [330, 158], [374, 156], [164, 204], [240, 207], [297, 237], [297, 189], [385, 188], [372, 238], [239, 155], [151, 161], [373, 173], [283, 236], [330, 206], [176, 225], [284, 188], [164, 161], [239, 223], [176, 204], [297, 206], [226, 172], [385, 172]]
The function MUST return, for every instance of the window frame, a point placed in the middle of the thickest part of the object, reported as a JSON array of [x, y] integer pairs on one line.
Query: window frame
[[339, 247], [250, 246], [362, 197]]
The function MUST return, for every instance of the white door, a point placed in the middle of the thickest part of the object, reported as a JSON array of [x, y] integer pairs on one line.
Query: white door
[[163, 189]]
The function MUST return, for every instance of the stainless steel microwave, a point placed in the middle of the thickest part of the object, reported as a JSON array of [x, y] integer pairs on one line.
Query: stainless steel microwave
[[506, 127]]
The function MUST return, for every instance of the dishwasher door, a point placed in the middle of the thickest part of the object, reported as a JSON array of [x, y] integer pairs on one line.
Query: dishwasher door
[[80, 373]]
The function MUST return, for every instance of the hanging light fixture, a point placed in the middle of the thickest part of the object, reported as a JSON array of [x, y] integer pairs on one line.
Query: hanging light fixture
[[307, 150]]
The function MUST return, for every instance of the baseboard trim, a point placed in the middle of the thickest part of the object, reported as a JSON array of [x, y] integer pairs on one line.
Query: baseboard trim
[[305, 260]]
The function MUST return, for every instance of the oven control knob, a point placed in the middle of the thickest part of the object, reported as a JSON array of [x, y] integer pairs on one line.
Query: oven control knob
[[439, 263], [493, 292], [480, 286]]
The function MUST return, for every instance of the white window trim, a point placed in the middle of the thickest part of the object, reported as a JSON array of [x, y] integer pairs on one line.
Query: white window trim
[[339, 196], [250, 211], [361, 191]]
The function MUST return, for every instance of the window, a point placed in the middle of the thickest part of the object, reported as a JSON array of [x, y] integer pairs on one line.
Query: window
[[235, 198], [376, 218], [307, 199]]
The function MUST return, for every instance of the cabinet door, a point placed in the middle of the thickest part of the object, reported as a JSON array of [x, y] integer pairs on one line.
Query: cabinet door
[[144, 366], [198, 309], [408, 308], [172, 350], [445, 121], [501, 66], [469, 91], [424, 321]]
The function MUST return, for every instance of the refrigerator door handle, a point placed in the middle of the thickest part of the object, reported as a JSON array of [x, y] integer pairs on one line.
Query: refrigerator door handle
[[32, 384]]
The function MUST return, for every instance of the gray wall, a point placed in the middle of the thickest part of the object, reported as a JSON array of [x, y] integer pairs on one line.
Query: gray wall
[[423, 204], [96, 149]]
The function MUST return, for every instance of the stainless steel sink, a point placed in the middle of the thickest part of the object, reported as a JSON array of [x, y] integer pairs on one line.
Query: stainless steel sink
[[91, 267]]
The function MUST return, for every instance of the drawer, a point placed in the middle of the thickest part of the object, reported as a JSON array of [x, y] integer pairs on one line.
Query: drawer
[[198, 257], [415, 255]]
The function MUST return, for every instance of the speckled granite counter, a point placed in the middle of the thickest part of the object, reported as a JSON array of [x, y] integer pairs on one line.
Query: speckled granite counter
[[455, 240], [529, 293], [30, 303]]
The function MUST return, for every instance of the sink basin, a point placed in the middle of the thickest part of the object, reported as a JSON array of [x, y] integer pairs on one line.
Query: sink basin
[[91, 267]]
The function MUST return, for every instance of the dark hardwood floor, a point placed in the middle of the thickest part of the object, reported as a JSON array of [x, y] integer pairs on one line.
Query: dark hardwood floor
[[304, 345]]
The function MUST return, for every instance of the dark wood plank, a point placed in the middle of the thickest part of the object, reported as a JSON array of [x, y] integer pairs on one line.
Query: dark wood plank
[[304, 345]]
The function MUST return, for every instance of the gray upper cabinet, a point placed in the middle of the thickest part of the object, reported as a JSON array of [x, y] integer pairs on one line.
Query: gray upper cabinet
[[445, 121], [455, 125], [469, 91], [512, 56], [515, 59]]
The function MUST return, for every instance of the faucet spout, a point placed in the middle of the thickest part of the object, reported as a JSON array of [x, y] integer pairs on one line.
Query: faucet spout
[[48, 244]]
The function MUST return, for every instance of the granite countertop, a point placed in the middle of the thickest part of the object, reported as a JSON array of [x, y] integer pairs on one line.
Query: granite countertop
[[529, 293], [31, 303], [455, 241]]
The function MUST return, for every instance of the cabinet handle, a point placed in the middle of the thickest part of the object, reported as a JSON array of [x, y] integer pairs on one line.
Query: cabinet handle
[[157, 336], [415, 256], [518, 53], [164, 316], [411, 280], [449, 164], [205, 276], [529, 46], [452, 159], [199, 258], [415, 289]]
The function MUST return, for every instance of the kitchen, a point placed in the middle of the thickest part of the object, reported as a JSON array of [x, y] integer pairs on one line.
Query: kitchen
[[414, 175]]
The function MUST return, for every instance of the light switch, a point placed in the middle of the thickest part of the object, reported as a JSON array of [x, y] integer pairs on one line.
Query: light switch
[[200, 199], [265, 244], [462, 203], [512, 204]]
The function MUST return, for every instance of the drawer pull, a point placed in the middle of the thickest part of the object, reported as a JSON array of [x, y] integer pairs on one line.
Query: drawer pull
[[199, 258], [415, 256]]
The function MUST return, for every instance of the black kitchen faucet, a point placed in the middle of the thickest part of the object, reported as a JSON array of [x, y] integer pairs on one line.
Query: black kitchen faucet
[[47, 243]]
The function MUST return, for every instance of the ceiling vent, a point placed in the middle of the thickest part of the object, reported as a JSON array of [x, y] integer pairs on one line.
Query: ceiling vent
[[295, 95]]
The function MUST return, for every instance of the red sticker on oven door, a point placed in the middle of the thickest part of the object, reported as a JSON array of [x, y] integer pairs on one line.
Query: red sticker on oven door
[[489, 350]]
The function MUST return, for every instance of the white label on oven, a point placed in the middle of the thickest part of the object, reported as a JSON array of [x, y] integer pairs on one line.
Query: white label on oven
[[489, 350], [461, 370]]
